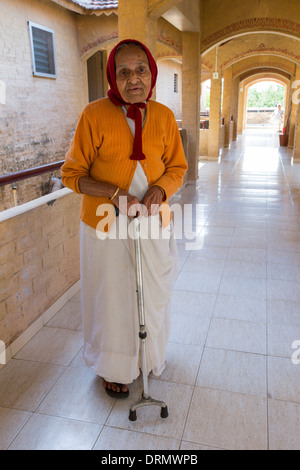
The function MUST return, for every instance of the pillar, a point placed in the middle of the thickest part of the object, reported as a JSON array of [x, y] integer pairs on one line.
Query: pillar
[[235, 106], [226, 112], [287, 100], [191, 86], [294, 109], [296, 152], [245, 107], [241, 109], [214, 118], [135, 23]]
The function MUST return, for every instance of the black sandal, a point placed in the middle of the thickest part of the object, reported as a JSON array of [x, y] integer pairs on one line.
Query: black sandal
[[115, 394]]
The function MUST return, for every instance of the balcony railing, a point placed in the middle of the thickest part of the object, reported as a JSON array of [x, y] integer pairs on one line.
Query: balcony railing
[[11, 178]]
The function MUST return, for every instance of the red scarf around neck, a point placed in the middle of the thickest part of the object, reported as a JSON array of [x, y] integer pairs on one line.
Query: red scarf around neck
[[133, 111]]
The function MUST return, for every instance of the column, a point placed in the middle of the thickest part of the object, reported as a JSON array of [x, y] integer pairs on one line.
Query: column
[[191, 85], [135, 23], [241, 109], [293, 111], [296, 152], [226, 112], [214, 118], [235, 106]]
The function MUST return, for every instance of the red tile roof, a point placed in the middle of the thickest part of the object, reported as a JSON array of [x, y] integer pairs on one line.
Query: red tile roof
[[97, 4]]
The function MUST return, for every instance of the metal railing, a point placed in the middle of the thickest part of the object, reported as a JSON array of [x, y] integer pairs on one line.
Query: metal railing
[[11, 178]]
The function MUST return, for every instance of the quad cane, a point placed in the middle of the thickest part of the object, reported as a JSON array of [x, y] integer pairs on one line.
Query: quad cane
[[145, 400]]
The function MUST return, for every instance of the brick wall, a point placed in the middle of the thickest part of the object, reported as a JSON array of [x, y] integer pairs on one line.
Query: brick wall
[[37, 115], [39, 260]]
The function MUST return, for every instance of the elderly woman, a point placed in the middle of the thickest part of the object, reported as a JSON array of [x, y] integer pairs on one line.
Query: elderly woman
[[277, 116], [125, 148]]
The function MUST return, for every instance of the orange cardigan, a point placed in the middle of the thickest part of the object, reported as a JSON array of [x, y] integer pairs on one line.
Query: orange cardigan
[[102, 145]]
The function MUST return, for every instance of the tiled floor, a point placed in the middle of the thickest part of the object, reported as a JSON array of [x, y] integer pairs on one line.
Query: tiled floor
[[230, 382]]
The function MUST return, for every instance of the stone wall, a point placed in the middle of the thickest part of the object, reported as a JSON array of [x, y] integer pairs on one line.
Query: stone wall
[[37, 115], [39, 259]]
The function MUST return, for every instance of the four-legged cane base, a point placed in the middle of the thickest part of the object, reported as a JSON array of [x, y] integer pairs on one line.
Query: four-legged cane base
[[147, 402]]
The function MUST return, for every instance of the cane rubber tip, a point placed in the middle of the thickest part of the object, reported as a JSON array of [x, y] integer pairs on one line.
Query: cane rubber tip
[[132, 415], [164, 412]]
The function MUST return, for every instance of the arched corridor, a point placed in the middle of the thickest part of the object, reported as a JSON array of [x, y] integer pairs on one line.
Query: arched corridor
[[232, 381]]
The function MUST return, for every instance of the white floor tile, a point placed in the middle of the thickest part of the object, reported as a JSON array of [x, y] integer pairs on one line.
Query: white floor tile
[[227, 420], [24, 384], [122, 439], [177, 398], [233, 371], [52, 345], [78, 394], [12, 422], [241, 308], [57, 434], [284, 418], [237, 335], [229, 382], [283, 379]]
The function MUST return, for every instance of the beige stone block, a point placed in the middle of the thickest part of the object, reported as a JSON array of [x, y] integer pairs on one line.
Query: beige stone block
[[56, 286], [27, 242], [57, 238], [40, 282], [12, 325], [11, 266], [50, 225], [52, 257], [31, 270], [20, 294], [71, 216], [36, 251], [34, 306], [3, 310], [7, 251], [8, 287], [12, 229]]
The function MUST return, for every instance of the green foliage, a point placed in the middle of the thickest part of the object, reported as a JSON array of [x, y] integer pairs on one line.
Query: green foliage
[[269, 97]]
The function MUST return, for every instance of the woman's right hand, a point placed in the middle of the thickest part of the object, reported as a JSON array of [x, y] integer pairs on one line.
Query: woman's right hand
[[128, 204], [125, 202]]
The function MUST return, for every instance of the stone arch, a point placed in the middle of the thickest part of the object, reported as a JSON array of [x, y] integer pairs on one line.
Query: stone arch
[[279, 26], [263, 64], [256, 76]]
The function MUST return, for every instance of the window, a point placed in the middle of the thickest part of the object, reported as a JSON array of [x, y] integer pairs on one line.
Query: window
[[42, 48], [175, 82]]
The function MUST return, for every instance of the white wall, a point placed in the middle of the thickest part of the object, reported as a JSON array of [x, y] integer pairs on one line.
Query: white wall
[[165, 85]]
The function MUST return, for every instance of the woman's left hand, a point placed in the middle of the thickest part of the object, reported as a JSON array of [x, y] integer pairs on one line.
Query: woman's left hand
[[152, 200]]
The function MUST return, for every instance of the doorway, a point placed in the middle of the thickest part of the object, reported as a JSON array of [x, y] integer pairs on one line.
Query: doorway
[[95, 76]]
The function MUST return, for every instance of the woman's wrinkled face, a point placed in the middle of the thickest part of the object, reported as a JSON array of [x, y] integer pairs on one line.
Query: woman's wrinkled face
[[133, 74]]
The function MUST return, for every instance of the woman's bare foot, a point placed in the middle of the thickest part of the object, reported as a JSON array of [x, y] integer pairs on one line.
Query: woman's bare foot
[[115, 389]]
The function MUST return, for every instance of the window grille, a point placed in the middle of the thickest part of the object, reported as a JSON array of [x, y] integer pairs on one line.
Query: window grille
[[175, 82], [42, 48]]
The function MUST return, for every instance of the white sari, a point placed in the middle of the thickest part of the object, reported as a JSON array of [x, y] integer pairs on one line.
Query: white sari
[[109, 299]]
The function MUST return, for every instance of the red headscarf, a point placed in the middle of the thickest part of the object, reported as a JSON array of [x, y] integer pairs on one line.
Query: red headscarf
[[133, 110]]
